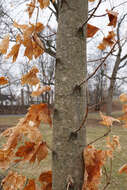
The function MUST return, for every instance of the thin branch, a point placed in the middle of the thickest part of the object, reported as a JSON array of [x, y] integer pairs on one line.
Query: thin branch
[[91, 14], [109, 177], [85, 80], [123, 58], [84, 120], [94, 60], [119, 5], [122, 66], [97, 139], [100, 15]]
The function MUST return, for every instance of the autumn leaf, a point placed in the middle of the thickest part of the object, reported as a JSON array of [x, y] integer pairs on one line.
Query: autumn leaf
[[41, 90], [39, 27], [46, 180], [18, 38], [25, 151], [8, 150], [3, 80], [40, 153], [124, 108], [123, 117], [123, 97], [31, 77], [38, 41], [112, 145], [101, 46], [40, 112], [44, 3], [91, 30], [94, 160], [46, 177], [13, 140], [13, 180], [37, 50], [112, 18], [30, 8], [20, 26], [31, 185], [31, 41], [4, 45], [14, 52], [29, 48], [107, 120], [6, 158], [123, 169], [107, 41]]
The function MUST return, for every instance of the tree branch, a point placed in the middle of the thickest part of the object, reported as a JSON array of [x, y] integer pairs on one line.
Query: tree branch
[[85, 80]]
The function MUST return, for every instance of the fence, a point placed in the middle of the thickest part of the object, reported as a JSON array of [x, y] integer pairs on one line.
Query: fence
[[9, 104]]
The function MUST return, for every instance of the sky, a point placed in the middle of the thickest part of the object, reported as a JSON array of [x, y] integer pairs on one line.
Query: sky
[[17, 10], [102, 22]]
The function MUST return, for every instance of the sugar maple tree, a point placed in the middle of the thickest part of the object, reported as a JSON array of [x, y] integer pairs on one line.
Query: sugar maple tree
[[24, 141]]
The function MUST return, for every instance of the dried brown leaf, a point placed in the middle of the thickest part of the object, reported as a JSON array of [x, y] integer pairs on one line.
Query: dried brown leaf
[[4, 45], [44, 3], [31, 185], [41, 90], [112, 18], [107, 120], [123, 169], [40, 153], [31, 77], [46, 177], [123, 97], [14, 52], [3, 80], [30, 8], [107, 41], [91, 30], [13, 180]]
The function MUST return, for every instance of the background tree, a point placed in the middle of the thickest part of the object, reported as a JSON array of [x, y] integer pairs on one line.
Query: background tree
[[120, 62]]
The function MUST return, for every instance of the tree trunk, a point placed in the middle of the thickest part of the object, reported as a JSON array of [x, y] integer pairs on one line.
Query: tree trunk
[[69, 103], [112, 84]]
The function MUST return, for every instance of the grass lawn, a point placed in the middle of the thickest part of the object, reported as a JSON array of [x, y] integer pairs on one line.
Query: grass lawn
[[94, 130]]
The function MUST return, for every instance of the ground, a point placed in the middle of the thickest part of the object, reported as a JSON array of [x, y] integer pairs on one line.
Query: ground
[[94, 130]]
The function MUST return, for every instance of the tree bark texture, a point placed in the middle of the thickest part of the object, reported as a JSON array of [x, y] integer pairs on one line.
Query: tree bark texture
[[70, 103], [112, 84]]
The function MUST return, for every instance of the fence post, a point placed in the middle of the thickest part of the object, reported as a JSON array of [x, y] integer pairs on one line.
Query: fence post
[[22, 97]]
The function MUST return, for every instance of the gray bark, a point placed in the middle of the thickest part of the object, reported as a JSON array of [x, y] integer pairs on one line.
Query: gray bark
[[112, 84], [69, 103]]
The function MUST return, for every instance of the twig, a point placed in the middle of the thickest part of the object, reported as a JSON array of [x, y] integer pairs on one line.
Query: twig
[[109, 177], [89, 61], [70, 182], [85, 80], [48, 147], [107, 184], [97, 139], [91, 14], [106, 174], [84, 120]]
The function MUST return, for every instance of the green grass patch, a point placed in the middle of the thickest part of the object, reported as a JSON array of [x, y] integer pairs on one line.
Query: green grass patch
[[95, 130], [9, 120]]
